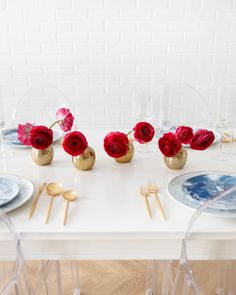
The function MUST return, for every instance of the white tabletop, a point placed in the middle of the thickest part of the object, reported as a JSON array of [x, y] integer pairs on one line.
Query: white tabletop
[[109, 219]]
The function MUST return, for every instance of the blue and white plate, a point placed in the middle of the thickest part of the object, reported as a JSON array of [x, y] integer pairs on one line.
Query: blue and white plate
[[195, 188], [26, 190], [8, 190], [10, 137]]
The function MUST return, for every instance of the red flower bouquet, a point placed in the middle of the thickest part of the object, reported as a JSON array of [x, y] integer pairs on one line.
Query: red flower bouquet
[[184, 134], [65, 120], [116, 144], [169, 144], [202, 139], [40, 137], [74, 143], [143, 132]]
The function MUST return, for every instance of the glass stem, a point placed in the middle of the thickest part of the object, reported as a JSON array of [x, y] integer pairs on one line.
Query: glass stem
[[2, 145]]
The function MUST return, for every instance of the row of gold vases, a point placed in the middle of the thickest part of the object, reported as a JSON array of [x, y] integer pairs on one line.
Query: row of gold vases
[[86, 160], [83, 162]]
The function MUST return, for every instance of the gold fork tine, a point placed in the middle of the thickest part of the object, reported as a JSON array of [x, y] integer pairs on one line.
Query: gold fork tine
[[153, 189], [144, 192]]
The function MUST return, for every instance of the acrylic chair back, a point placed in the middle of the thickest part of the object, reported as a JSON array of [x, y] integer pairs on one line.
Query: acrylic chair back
[[205, 277], [182, 104], [13, 274], [39, 105]]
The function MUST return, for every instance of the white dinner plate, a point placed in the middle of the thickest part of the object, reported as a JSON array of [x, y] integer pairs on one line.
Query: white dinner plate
[[159, 133], [10, 137], [194, 188], [8, 190], [26, 190]]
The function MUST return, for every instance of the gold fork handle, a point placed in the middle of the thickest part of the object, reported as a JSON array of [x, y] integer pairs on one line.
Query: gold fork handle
[[66, 212], [49, 209], [159, 207], [148, 207]]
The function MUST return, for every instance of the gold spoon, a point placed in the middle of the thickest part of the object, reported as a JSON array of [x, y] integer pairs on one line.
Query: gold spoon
[[69, 196], [53, 189]]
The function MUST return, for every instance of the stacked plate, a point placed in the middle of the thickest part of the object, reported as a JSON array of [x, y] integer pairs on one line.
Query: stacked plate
[[14, 191], [10, 137], [194, 188]]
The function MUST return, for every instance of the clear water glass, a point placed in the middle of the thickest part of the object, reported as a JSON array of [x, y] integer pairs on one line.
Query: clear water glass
[[142, 110]]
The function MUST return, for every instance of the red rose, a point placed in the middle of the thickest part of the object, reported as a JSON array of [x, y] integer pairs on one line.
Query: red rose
[[169, 144], [116, 144], [143, 132], [74, 143], [202, 139], [40, 137], [66, 119], [184, 134], [23, 132]]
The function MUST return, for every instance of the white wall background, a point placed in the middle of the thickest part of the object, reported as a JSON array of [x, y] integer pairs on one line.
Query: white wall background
[[99, 51]]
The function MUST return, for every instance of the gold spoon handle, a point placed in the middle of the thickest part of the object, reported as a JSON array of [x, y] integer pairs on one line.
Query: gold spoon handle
[[66, 212], [148, 207], [36, 199], [49, 209]]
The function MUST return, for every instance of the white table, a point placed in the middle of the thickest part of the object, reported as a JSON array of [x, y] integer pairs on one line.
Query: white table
[[109, 220]]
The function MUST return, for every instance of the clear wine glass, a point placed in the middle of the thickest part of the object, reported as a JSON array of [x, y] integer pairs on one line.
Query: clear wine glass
[[221, 122]]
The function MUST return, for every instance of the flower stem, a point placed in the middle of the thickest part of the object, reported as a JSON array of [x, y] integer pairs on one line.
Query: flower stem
[[53, 124], [129, 132]]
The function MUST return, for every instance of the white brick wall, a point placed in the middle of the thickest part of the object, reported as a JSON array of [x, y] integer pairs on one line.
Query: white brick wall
[[100, 51]]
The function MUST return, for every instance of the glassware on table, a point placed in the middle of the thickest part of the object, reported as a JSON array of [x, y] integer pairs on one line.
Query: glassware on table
[[4, 153], [221, 123], [142, 110]]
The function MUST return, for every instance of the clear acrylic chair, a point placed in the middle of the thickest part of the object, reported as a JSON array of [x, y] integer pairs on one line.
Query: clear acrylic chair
[[39, 105], [14, 277], [204, 277], [182, 104]]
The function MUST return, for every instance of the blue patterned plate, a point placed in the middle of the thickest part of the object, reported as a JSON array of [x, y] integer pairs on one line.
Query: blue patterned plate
[[193, 189], [26, 190], [8, 190], [10, 137]]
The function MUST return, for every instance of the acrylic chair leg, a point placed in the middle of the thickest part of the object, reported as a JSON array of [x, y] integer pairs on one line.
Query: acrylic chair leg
[[58, 278], [75, 277], [151, 277]]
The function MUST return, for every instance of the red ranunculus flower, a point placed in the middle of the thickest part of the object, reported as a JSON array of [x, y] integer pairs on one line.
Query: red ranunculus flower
[[65, 118], [116, 144], [23, 132], [74, 143], [143, 132], [169, 144], [202, 139], [40, 137], [184, 134]]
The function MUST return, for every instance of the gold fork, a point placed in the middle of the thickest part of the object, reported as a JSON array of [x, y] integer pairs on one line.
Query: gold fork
[[145, 193], [153, 189]]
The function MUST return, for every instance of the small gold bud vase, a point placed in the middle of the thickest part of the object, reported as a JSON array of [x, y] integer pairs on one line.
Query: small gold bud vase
[[178, 161], [42, 157], [86, 160], [129, 156]]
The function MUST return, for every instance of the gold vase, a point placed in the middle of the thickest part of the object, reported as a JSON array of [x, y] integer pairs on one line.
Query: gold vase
[[178, 161], [86, 160], [129, 156], [42, 157]]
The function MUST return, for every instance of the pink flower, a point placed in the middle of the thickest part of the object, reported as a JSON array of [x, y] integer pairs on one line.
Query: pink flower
[[23, 133], [65, 119]]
